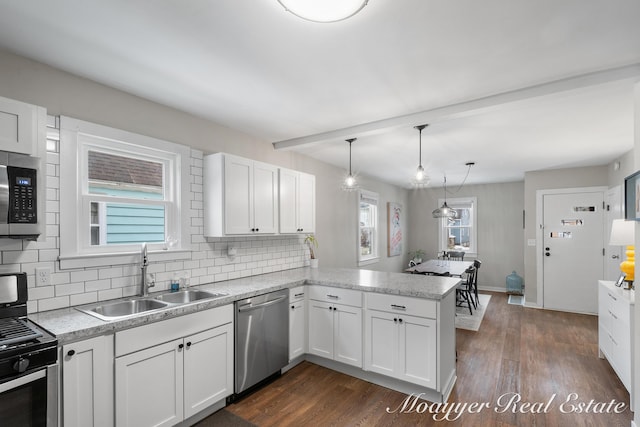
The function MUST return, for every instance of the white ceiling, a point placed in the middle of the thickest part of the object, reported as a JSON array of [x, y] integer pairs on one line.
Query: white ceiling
[[514, 85]]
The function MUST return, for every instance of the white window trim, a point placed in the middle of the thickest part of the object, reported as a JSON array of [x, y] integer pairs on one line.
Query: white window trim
[[442, 245], [75, 134], [374, 257]]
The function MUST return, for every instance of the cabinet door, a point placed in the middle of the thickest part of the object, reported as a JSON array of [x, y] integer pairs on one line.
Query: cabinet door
[[238, 195], [417, 355], [307, 203], [321, 328], [149, 386], [288, 200], [18, 127], [87, 382], [265, 198], [347, 328], [208, 368], [296, 329], [381, 342]]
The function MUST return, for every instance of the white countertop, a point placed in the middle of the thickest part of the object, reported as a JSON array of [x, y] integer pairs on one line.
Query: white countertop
[[71, 325]]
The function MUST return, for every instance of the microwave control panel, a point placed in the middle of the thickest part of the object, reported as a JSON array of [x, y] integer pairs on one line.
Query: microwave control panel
[[22, 196]]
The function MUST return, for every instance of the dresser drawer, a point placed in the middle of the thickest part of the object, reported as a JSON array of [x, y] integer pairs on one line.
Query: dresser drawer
[[400, 304], [336, 295]]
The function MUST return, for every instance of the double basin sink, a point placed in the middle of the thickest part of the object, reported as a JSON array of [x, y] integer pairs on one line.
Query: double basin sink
[[121, 309]]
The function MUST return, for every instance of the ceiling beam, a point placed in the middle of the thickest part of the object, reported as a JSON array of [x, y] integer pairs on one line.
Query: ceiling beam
[[467, 107]]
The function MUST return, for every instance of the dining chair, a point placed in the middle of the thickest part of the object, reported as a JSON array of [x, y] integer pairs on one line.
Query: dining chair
[[476, 264], [455, 255], [464, 290]]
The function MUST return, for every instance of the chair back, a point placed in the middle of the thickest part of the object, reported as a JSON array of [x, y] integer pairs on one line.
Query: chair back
[[456, 255], [470, 273]]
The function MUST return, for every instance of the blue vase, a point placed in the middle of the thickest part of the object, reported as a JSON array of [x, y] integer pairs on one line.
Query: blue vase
[[514, 284]]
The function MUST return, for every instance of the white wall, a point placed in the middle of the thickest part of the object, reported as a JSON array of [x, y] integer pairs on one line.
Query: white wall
[[62, 93], [500, 232]]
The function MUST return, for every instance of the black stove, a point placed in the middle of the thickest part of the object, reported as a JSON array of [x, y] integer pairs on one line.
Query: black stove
[[24, 346]]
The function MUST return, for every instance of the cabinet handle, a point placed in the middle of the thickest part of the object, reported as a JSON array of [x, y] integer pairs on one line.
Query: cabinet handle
[[330, 308], [395, 320], [188, 344], [400, 320], [257, 229], [612, 297], [613, 315], [335, 309], [180, 346], [299, 295], [302, 229], [293, 307], [398, 307], [332, 296], [71, 353]]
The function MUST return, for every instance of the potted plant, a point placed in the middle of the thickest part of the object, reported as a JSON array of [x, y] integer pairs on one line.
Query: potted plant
[[416, 256], [311, 241]]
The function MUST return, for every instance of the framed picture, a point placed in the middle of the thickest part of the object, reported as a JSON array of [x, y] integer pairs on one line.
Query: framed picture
[[620, 279], [631, 197], [394, 229]]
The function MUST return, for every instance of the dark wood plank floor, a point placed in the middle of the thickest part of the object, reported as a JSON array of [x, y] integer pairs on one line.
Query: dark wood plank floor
[[518, 352]]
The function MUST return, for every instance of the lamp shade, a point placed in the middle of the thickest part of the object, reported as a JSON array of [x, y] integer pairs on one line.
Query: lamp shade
[[324, 10], [623, 233]]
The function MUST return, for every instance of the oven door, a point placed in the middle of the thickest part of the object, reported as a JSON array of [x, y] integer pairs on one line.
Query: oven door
[[31, 399]]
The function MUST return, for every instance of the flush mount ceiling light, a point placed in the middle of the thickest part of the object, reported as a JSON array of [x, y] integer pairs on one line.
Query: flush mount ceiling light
[[323, 10], [421, 179], [349, 183], [445, 211]]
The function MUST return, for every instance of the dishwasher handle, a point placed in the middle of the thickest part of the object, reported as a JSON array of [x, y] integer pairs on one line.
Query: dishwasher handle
[[249, 307]]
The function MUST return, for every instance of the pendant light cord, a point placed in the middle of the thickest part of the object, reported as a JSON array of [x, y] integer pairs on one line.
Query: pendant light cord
[[350, 140], [469, 164]]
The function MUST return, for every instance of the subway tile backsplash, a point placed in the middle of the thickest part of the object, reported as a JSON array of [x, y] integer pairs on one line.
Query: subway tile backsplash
[[207, 262]]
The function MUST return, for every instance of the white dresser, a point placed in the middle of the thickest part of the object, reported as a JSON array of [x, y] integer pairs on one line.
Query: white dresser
[[615, 330]]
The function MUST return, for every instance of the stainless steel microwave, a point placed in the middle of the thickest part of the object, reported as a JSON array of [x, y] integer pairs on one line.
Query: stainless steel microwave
[[21, 198]]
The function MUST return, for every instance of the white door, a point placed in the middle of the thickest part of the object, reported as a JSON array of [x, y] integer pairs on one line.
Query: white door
[[614, 254], [208, 368], [149, 385], [347, 325], [573, 245]]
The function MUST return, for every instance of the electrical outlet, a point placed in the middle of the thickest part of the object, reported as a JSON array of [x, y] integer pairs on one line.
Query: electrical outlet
[[43, 276]]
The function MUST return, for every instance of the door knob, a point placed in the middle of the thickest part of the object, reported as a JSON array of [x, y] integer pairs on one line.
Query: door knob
[[547, 254]]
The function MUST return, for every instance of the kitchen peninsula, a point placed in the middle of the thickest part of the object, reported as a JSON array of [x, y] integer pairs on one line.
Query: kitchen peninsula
[[401, 333]]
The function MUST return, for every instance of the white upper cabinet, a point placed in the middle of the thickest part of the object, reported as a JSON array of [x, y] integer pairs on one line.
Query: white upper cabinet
[[22, 126], [297, 202], [240, 196]]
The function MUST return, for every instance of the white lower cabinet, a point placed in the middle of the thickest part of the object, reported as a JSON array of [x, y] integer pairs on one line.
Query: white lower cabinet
[[297, 322], [87, 383], [335, 330], [397, 342], [166, 383]]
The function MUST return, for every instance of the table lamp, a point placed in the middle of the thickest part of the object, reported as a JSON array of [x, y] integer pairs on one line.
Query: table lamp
[[623, 233]]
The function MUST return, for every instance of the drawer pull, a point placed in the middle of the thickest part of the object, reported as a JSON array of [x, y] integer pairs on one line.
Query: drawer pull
[[612, 297], [333, 296], [398, 307], [301, 294], [613, 315]]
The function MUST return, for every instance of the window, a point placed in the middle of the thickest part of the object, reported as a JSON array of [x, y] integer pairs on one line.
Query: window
[[127, 189], [367, 228], [460, 234]]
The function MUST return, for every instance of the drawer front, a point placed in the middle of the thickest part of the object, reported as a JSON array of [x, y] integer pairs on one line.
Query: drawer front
[[297, 294], [336, 295], [401, 304]]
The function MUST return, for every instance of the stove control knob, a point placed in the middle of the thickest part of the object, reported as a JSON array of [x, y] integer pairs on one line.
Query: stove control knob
[[21, 365]]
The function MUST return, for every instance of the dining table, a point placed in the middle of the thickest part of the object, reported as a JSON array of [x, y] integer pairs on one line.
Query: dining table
[[441, 266]]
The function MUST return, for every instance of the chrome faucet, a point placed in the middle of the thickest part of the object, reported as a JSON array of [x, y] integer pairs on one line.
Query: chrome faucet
[[145, 262]]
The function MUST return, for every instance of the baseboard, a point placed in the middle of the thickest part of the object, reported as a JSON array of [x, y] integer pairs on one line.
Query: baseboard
[[492, 289]]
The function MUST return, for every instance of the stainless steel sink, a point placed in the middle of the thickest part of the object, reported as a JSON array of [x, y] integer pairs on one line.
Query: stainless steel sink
[[120, 309], [189, 295]]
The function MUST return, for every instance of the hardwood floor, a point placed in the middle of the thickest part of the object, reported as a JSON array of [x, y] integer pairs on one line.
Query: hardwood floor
[[518, 352]]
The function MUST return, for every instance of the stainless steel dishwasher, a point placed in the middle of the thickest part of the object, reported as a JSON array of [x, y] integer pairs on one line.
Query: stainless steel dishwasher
[[262, 338]]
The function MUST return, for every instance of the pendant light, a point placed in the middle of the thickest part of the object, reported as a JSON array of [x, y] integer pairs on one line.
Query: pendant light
[[323, 11], [445, 211], [421, 179], [350, 181]]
